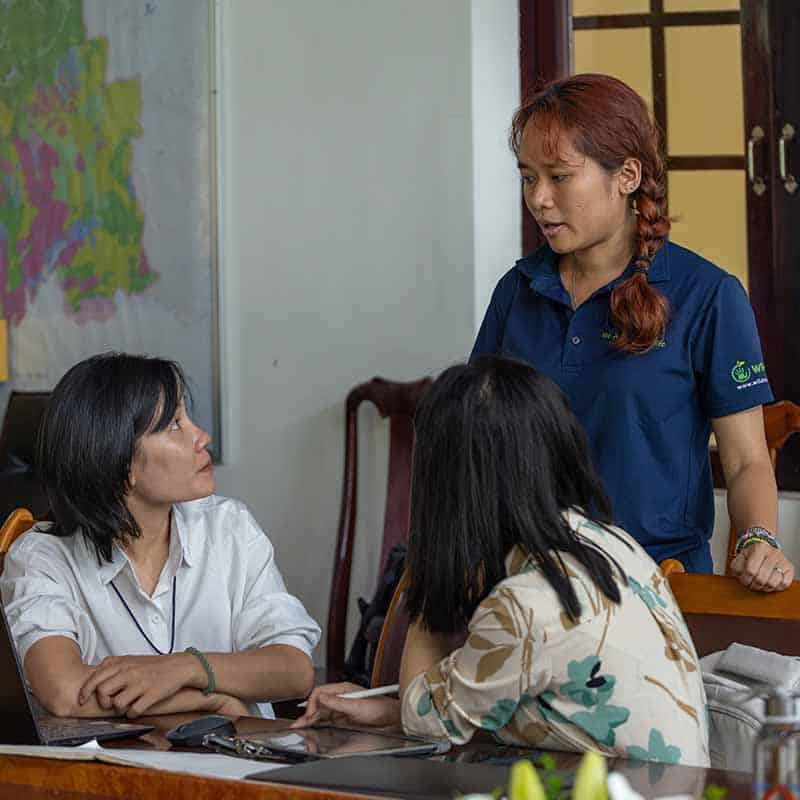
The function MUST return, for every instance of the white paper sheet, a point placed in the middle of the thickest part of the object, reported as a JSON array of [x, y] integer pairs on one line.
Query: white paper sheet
[[213, 765]]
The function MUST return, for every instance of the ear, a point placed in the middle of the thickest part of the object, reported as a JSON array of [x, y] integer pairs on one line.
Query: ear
[[629, 177]]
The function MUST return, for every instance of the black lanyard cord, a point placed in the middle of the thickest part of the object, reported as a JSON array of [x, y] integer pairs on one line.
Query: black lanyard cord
[[136, 621]]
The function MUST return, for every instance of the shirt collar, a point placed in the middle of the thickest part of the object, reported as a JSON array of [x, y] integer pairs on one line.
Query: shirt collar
[[541, 268], [110, 569], [180, 534], [179, 550]]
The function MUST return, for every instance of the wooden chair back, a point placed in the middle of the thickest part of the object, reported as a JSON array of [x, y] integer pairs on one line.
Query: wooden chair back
[[396, 401], [17, 522], [389, 652], [386, 670], [719, 611], [19, 484], [781, 420]]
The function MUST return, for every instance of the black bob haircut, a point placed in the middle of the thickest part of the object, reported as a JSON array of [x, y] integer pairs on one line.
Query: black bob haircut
[[498, 458], [87, 441]]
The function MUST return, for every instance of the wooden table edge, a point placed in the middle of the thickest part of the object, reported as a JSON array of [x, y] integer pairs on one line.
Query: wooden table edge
[[111, 780]]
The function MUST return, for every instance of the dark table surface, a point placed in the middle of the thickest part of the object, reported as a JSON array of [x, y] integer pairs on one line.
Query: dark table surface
[[39, 778]]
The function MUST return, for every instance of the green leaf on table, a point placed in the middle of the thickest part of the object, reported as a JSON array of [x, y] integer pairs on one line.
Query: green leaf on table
[[714, 792], [546, 761]]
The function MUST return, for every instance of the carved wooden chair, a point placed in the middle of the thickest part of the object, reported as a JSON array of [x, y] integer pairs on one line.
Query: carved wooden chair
[[781, 420], [386, 670], [19, 485], [393, 637], [397, 402], [17, 522], [719, 611]]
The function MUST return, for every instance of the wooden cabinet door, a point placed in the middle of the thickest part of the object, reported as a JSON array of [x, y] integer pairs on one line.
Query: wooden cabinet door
[[784, 66]]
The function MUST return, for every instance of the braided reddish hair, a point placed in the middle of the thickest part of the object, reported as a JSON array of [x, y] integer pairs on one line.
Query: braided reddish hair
[[609, 122]]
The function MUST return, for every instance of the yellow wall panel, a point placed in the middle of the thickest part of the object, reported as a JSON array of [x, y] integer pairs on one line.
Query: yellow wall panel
[[623, 53], [710, 205], [705, 114], [701, 5], [591, 8]]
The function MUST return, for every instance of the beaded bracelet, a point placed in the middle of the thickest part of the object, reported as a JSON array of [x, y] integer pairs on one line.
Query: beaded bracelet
[[212, 683], [746, 543], [755, 534]]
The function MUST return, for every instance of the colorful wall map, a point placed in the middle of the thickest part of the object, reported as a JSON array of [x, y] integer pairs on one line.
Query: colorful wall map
[[105, 175], [68, 209]]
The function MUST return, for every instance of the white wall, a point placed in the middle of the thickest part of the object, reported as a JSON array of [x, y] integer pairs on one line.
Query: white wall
[[788, 528], [347, 248], [497, 212]]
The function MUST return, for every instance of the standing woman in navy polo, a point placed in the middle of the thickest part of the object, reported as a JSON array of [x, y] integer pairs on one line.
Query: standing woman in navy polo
[[654, 346]]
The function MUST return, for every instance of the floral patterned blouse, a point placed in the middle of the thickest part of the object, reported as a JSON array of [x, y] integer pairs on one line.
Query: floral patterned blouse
[[622, 679]]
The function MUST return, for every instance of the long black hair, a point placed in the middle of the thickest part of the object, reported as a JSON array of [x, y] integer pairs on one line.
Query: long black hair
[[498, 458], [97, 413]]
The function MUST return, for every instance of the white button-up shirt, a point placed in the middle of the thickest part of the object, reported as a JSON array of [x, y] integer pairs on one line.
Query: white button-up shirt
[[229, 595]]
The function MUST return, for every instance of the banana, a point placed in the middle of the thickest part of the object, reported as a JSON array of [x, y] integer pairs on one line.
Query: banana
[[524, 783], [590, 779]]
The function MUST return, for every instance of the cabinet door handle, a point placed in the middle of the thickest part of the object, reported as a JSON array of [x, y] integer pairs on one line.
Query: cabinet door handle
[[789, 181], [756, 181]]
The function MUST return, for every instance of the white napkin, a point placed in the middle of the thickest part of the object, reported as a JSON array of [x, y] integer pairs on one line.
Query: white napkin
[[761, 666]]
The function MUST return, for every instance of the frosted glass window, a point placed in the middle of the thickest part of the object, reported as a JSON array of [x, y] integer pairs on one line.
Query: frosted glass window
[[705, 114], [623, 53]]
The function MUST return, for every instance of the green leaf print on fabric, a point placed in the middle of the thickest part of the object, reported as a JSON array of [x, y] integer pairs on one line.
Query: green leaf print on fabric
[[499, 715], [592, 690], [646, 594], [657, 750], [425, 704], [600, 722], [592, 526], [587, 687], [545, 701], [451, 729]]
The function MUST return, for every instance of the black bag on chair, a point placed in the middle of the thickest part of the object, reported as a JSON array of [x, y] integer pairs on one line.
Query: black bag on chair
[[361, 658]]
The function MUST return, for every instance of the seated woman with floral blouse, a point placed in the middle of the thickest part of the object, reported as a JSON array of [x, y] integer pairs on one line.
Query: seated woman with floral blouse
[[574, 641]]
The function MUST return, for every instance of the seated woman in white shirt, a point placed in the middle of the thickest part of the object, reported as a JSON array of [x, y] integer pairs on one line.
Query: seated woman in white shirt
[[147, 593]]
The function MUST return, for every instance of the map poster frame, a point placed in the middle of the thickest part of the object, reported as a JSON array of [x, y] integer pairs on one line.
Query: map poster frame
[[109, 171]]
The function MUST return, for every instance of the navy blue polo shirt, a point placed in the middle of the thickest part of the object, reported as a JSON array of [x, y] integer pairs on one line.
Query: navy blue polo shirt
[[648, 417]]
